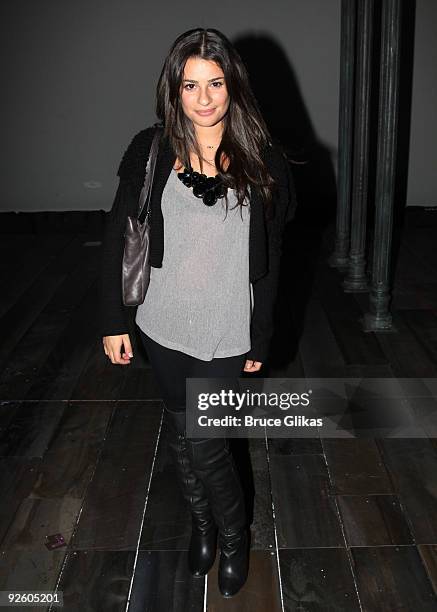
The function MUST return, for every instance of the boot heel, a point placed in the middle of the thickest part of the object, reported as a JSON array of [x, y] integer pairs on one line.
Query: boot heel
[[234, 562], [202, 551]]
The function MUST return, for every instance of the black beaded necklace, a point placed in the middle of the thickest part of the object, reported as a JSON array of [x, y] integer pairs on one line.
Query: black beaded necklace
[[209, 188]]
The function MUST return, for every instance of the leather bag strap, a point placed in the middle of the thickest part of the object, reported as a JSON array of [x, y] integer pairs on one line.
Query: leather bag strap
[[146, 191]]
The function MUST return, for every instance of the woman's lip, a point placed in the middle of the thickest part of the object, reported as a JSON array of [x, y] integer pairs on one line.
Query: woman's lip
[[208, 112]]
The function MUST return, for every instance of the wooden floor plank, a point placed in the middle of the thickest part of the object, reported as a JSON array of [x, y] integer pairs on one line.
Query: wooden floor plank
[[8, 410], [407, 357], [37, 519], [30, 431], [65, 358], [428, 553], [167, 524], [262, 529], [81, 424], [305, 509], [413, 264], [113, 508], [423, 324], [393, 578], [295, 446], [72, 454], [421, 245], [38, 356], [345, 319], [412, 464], [373, 520], [321, 355], [162, 583], [356, 467], [32, 254], [15, 323], [316, 579], [415, 296], [96, 580], [17, 477]]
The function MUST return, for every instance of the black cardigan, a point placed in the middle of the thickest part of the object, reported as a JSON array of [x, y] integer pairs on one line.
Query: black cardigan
[[265, 236]]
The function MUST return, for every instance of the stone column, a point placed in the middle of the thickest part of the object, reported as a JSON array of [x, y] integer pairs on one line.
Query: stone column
[[345, 132], [356, 279], [379, 318]]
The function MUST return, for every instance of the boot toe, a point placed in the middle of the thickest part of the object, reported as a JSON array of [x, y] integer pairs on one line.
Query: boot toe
[[229, 587], [233, 567], [202, 552]]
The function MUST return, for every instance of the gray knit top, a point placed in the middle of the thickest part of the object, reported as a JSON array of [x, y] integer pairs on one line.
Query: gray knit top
[[201, 301]]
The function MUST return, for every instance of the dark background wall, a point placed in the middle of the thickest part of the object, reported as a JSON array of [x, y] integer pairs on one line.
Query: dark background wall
[[79, 80]]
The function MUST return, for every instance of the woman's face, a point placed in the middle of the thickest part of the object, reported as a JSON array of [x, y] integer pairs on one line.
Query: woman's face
[[203, 89]]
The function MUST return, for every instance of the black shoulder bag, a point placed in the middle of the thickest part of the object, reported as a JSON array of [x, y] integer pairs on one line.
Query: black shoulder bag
[[136, 256]]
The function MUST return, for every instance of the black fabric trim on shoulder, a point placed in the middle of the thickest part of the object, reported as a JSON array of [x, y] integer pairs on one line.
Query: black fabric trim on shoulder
[[133, 162]]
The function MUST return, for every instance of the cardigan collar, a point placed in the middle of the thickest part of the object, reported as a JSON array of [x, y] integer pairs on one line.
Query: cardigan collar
[[166, 158]]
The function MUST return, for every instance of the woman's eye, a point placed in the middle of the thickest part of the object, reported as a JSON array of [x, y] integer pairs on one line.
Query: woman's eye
[[190, 86]]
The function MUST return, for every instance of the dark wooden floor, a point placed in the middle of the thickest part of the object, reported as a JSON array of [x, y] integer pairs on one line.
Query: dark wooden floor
[[338, 524]]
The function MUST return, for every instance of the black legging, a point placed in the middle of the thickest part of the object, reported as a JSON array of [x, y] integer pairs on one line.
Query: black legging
[[171, 368]]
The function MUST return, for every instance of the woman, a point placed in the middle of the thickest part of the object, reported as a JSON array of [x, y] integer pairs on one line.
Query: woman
[[221, 196]]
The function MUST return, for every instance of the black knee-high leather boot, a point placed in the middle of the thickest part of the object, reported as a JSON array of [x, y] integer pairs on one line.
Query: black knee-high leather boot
[[203, 543], [212, 460]]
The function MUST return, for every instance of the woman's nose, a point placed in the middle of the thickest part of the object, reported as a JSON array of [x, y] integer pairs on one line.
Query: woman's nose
[[204, 97]]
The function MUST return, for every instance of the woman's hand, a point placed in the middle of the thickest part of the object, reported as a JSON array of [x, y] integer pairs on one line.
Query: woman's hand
[[112, 347], [252, 366]]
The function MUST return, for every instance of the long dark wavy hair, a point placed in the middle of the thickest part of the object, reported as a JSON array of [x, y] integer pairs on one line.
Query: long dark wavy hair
[[245, 133]]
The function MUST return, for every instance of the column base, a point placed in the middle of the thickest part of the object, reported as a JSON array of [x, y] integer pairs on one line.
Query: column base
[[338, 260], [356, 285], [378, 323]]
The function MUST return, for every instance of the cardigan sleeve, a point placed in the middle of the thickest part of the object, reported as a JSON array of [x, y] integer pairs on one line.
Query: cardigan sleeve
[[265, 288], [112, 311]]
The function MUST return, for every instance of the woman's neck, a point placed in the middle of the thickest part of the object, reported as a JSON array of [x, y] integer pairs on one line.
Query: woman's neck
[[207, 135]]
